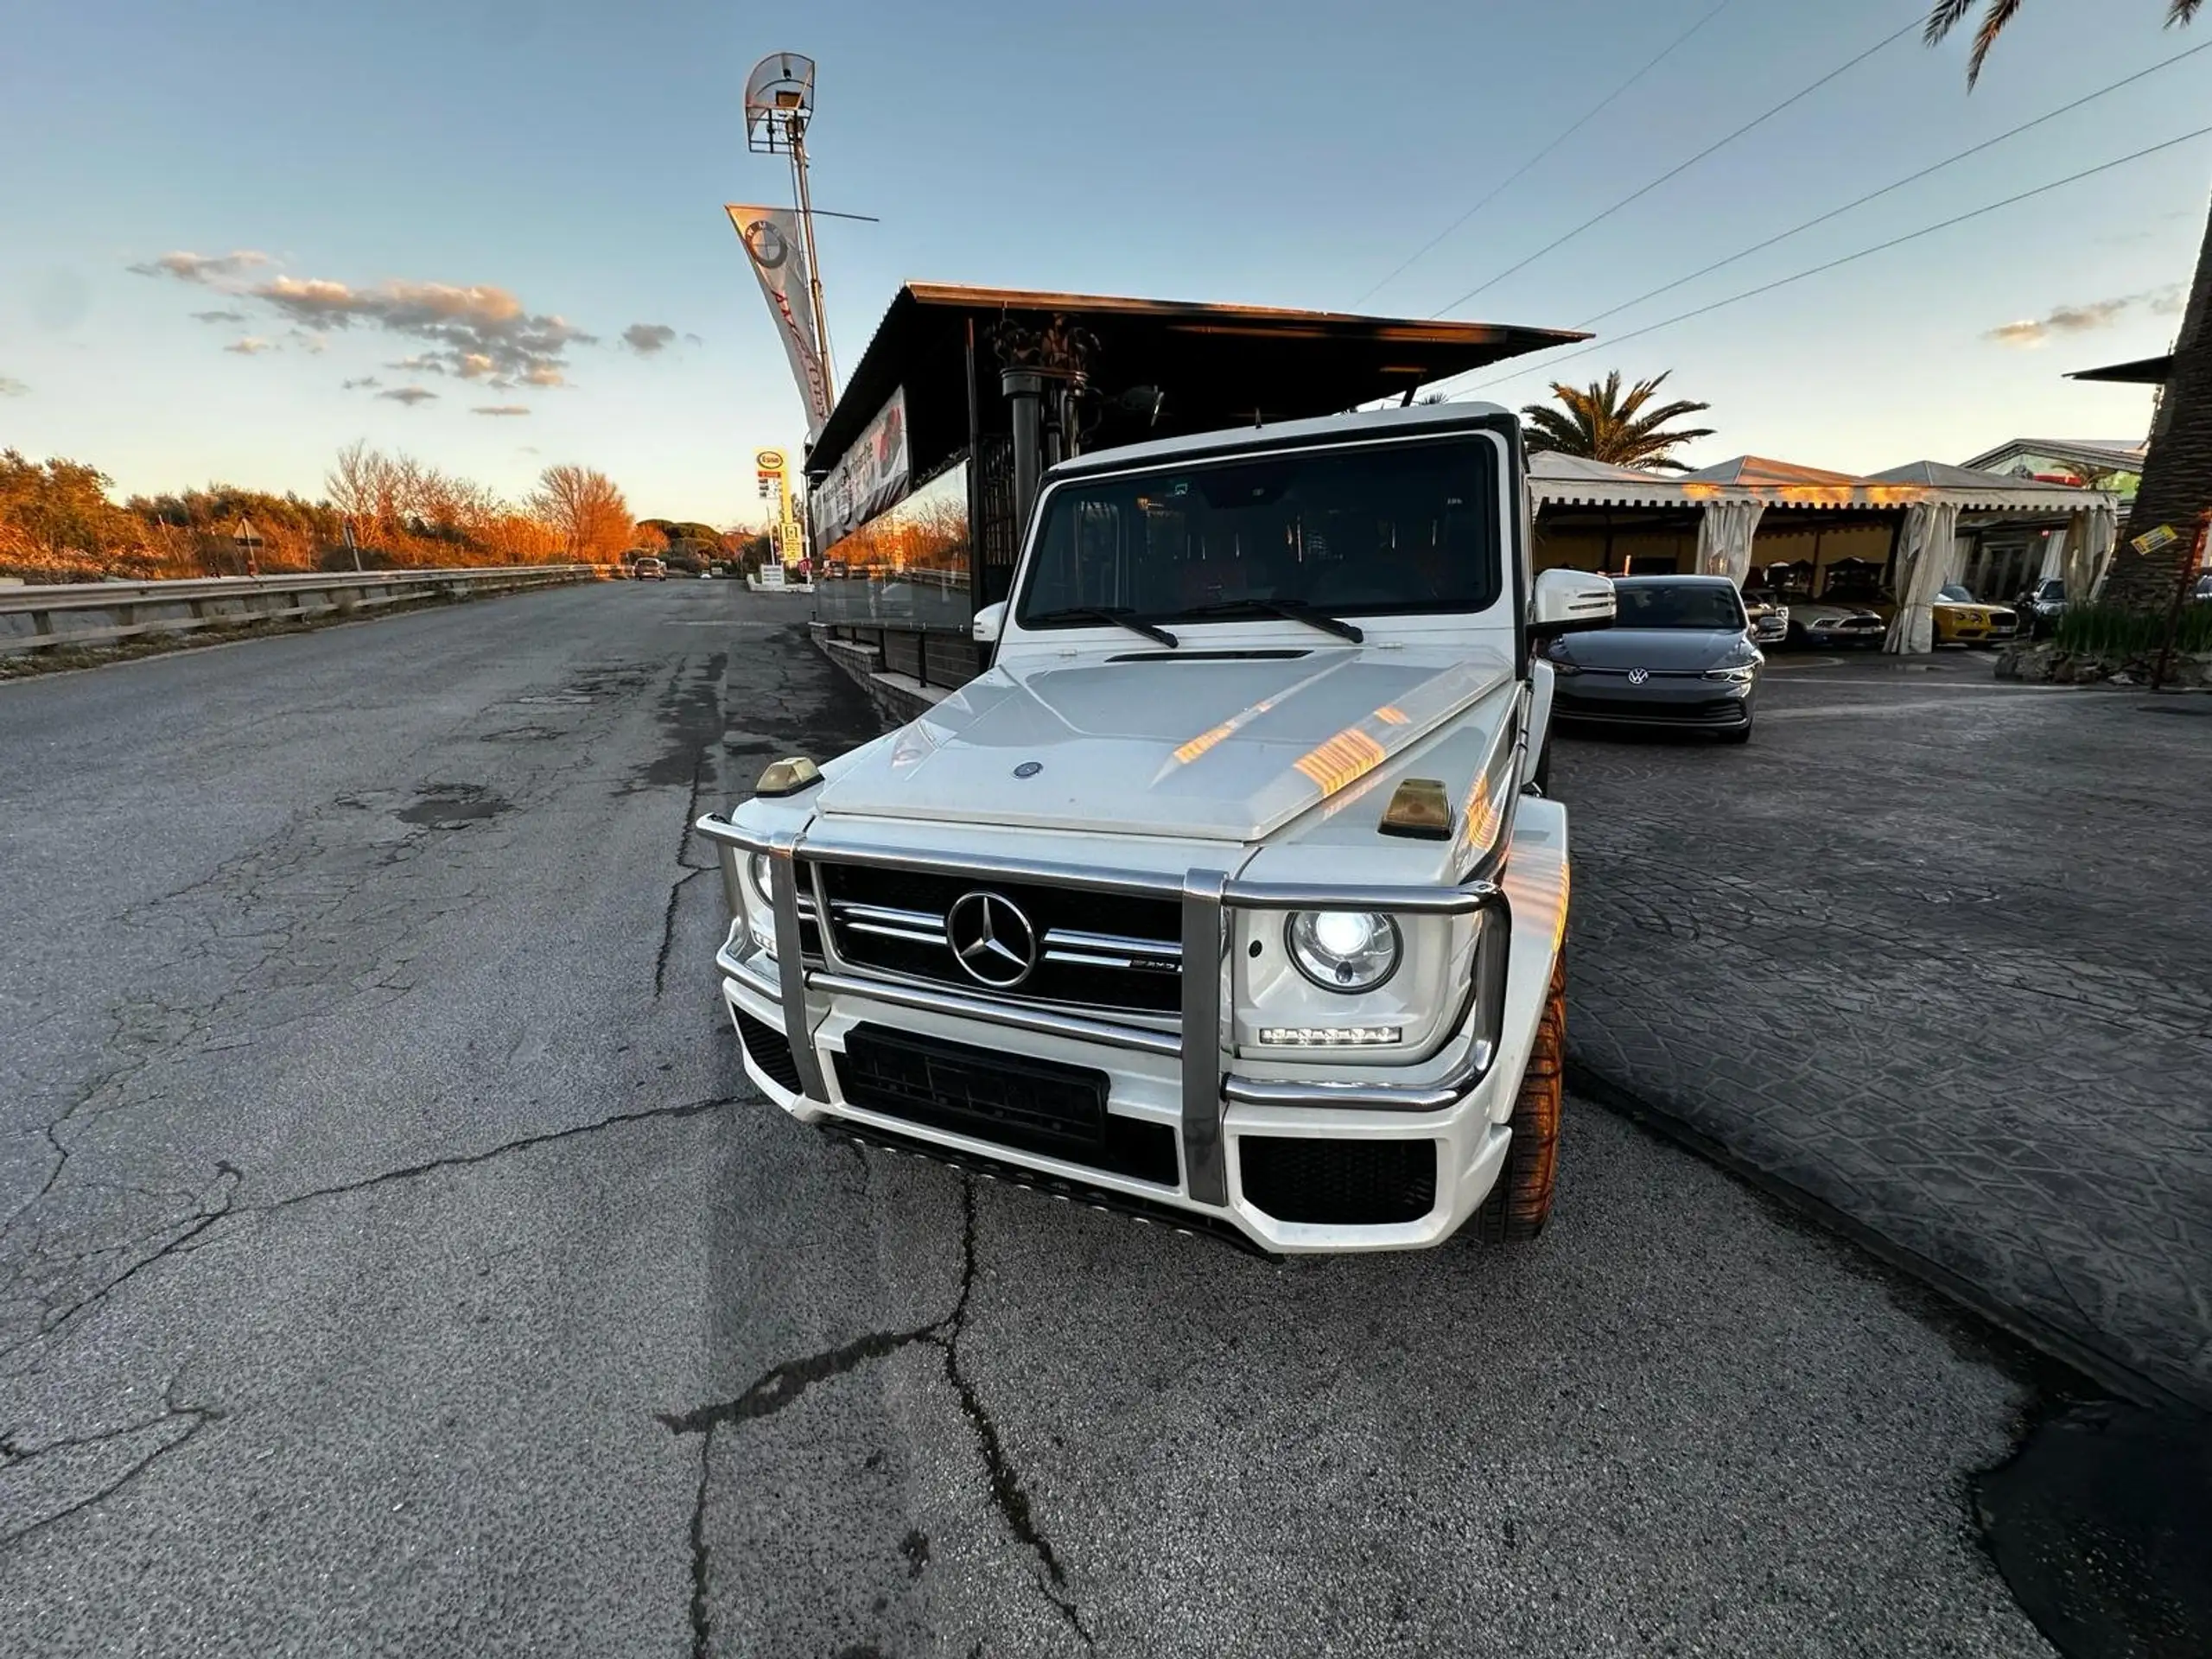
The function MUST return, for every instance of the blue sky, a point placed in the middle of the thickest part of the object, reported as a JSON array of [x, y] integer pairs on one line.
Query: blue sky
[[574, 156]]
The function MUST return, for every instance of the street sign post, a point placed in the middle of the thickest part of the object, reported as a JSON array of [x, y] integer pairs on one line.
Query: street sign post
[[352, 546], [248, 541]]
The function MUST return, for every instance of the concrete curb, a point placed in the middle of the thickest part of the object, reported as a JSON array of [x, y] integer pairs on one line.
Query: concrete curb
[[2112, 1376]]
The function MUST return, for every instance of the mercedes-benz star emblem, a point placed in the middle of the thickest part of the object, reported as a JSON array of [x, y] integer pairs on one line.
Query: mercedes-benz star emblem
[[1029, 769], [1638, 676], [992, 940]]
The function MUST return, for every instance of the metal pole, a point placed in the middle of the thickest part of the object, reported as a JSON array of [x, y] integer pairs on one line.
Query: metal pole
[[813, 260], [2183, 583]]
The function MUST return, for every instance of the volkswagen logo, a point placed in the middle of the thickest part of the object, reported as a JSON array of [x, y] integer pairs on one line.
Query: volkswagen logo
[[992, 940], [1638, 676]]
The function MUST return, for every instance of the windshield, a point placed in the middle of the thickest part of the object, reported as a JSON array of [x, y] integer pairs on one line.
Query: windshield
[[1956, 594], [1703, 604], [1404, 528]]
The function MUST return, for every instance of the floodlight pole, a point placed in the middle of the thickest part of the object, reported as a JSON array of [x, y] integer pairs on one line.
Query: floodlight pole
[[798, 130]]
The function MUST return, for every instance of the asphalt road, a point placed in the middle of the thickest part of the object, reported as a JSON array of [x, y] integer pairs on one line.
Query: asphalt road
[[398, 1263]]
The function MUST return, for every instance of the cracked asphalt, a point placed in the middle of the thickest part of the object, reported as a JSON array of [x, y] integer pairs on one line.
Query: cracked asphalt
[[396, 1262]]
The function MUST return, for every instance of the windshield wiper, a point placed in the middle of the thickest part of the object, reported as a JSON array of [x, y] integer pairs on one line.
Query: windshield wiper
[[1291, 610], [1120, 615]]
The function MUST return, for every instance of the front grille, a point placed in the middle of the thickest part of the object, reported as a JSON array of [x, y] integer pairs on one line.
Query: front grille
[[1092, 950], [769, 1049], [1718, 711], [1040, 1106], [1339, 1183]]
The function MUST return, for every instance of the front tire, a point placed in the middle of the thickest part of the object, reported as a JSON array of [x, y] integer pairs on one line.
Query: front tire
[[1519, 1204]]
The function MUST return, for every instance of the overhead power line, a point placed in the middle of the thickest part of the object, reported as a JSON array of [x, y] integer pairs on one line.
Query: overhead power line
[[1499, 188], [1848, 258], [1677, 171], [1911, 178]]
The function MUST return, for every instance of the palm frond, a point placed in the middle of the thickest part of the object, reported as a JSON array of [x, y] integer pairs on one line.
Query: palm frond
[[2182, 11]]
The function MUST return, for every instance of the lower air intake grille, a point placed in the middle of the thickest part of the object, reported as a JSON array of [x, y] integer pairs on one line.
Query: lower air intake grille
[[1056, 1111], [770, 1050], [1339, 1183]]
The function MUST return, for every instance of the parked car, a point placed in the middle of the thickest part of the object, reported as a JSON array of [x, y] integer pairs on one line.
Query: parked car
[[650, 570], [1679, 654], [1195, 902], [1962, 619], [2041, 606], [1833, 624], [1770, 617]]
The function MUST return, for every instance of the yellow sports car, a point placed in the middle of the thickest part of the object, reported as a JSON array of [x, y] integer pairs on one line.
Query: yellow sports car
[[1962, 619]]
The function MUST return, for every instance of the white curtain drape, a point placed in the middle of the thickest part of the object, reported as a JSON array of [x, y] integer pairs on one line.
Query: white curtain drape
[[1724, 538], [2054, 549], [2089, 540], [1928, 558]]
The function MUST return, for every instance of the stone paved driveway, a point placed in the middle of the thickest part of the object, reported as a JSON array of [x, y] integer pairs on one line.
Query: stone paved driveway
[[1940, 954]]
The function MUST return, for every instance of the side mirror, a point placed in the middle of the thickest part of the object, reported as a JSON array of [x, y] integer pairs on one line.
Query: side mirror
[[988, 622], [1569, 602]]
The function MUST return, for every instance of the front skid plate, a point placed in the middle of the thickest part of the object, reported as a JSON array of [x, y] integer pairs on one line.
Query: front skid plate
[[1185, 1222]]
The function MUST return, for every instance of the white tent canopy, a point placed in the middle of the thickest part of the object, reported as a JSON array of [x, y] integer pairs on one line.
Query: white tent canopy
[[1733, 495]]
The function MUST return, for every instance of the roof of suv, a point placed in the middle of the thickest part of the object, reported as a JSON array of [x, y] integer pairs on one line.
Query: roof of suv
[[1369, 424]]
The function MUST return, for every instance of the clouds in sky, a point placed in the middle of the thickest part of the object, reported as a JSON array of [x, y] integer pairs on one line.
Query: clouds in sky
[[365, 380], [477, 332], [2031, 333], [202, 267], [11, 387]]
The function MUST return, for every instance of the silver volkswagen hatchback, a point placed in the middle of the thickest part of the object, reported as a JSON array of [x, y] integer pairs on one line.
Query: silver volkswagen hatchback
[[1679, 654]]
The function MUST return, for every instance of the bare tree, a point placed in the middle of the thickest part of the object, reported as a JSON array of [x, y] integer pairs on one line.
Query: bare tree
[[586, 508]]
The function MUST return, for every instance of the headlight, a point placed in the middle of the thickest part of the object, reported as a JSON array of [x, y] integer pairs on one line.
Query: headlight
[[1739, 672], [759, 903], [1347, 950]]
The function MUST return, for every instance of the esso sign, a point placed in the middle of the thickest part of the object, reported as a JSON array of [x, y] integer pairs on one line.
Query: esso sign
[[769, 460]]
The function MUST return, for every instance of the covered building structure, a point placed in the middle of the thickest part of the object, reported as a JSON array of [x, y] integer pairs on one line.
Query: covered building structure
[[1890, 540]]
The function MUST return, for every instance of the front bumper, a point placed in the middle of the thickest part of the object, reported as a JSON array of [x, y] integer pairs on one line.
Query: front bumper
[[1684, 703], [1225, 1127]]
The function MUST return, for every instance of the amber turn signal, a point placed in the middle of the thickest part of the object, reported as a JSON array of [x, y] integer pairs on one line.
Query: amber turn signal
[[788, 776], [1419, 808]]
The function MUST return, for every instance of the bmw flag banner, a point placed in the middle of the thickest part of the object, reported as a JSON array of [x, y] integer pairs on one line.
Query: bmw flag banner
[[777, 247]]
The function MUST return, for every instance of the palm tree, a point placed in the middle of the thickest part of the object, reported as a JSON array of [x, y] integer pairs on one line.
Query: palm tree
[[2177, 486], [1996, 14], [1598, 423]]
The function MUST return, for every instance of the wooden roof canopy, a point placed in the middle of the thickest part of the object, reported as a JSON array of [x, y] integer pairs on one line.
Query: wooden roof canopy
[[1217, 365]]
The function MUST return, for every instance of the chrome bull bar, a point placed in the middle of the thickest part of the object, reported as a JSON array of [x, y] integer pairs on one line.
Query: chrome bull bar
[[1204, 1046]]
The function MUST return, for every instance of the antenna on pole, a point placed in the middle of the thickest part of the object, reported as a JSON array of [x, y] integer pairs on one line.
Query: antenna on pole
[[778, 104]]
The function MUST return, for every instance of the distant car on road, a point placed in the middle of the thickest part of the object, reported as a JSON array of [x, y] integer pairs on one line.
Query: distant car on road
[[651, 570], [1962, 619], [1679, 654]]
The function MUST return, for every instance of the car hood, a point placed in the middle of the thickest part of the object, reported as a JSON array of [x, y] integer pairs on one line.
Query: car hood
[[1665, 650], [1207, 748], [1818, 610]]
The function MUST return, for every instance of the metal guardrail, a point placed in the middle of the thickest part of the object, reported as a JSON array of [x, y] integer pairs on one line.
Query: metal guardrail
[[35, 618]]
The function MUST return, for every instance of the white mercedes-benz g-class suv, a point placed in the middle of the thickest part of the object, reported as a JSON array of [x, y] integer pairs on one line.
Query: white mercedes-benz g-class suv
[[1228, 895]]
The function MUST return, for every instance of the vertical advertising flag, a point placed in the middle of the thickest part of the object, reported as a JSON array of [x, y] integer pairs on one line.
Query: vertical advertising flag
[[776, 246]]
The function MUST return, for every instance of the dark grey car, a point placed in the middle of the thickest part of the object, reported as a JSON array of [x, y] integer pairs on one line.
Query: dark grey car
[[1679, 654]]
